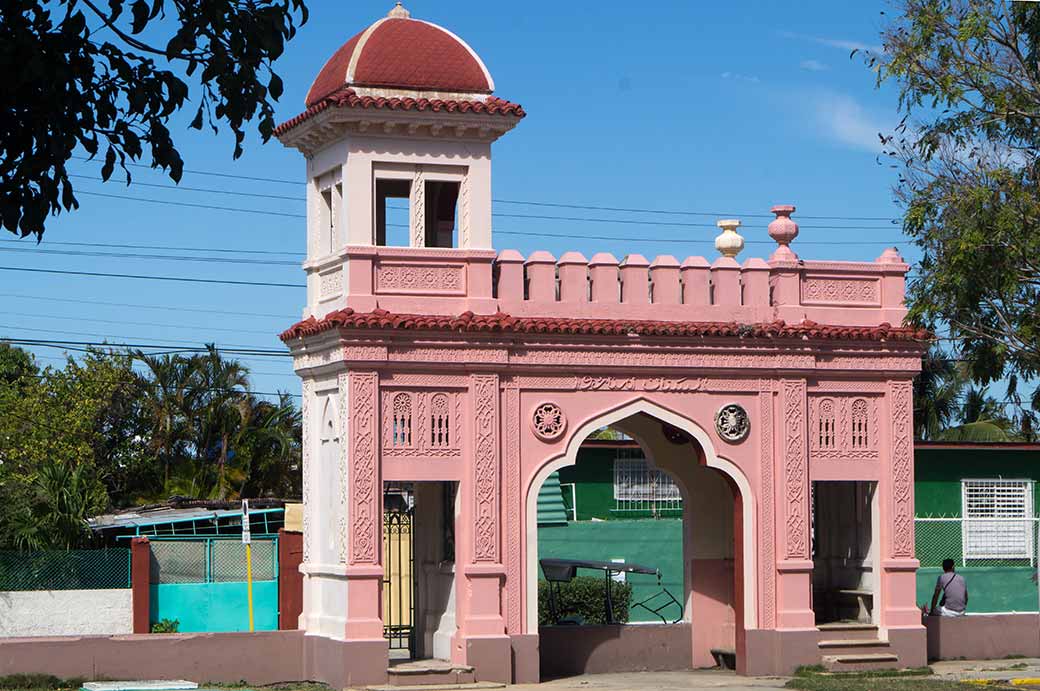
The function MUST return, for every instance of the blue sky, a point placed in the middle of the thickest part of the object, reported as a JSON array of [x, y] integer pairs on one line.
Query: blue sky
[[719, 108]]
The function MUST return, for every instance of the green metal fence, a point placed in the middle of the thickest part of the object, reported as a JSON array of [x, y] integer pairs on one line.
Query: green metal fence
[[996, 556], [79, 569]]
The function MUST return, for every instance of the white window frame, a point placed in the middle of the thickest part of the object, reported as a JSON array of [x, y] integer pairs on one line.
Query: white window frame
[[639, 487], [998, 519]]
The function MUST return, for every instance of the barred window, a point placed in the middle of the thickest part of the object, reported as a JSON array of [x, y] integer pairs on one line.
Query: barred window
[[638, 487], [998, 519]]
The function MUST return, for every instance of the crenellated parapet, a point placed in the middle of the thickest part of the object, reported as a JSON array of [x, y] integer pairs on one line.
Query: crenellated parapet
[[441, 281]]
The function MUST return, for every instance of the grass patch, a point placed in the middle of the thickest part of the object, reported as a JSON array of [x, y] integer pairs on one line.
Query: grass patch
[[38, 682], [854, 682], [811, 678]]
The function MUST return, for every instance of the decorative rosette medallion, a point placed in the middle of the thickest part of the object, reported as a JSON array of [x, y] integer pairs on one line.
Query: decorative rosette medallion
[[732, 423], [548, 421]]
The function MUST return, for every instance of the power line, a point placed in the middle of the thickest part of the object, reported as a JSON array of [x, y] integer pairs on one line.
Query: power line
[[159, 247], [543, 217], [708, 241], [164, 308], [204, 172], [170, 348], [203, 389], [674, 224], [208, 190], [219, 346], [252, 371], [669, 212], [590, 207], [136, 323], [211, 207], [153, 278], [166, 257]]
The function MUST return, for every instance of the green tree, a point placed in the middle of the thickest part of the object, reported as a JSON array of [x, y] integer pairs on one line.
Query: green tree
[[211, 437], [105, 79], [16, 365], [51, 427], [969, 85]]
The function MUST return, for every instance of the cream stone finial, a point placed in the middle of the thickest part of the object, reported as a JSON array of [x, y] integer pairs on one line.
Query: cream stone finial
[[399, 12], [729, 243]]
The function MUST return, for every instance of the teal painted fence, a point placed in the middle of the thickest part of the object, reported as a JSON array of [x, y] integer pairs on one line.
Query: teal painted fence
[[990, 589], [201, 584], [213, 607], [655, 543]]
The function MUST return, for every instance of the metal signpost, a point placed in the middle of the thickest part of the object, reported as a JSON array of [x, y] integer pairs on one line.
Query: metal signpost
[[247, 541]]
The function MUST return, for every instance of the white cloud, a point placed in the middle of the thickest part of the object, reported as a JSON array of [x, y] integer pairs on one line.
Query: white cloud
[[842, 43], [845, 121], [813, 65], [736, 76]]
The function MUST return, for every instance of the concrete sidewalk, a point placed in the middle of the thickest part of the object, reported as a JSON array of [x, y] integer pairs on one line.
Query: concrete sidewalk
[[658, 681], [1024, 670], [994, 670]]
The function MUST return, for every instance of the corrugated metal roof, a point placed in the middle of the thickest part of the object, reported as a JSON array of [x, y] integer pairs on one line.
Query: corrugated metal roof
[[161, 516]]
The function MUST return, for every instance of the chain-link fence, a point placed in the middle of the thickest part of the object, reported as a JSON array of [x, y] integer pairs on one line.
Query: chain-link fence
[[996, 556], [211, 560], [84, 569]]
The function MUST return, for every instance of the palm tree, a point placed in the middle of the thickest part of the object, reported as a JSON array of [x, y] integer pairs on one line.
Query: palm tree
[[221, 387], [270, 448], [936, 391], [165, 405], [982, 419]]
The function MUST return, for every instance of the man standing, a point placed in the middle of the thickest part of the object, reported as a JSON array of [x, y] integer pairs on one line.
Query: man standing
[[952, 590]]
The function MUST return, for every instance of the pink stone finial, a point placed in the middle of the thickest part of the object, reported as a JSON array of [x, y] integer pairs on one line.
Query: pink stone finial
[[783, 230], [890, 256]]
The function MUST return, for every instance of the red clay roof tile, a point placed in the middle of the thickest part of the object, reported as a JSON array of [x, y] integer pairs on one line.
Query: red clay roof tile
[[347, 98], [468, 322]]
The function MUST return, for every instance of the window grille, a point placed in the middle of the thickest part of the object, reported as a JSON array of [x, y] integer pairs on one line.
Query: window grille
[[997, 519], [827, 437], [638, 487]]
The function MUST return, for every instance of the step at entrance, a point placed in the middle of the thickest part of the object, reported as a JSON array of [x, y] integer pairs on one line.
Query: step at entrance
[[432, 674], [848, 630], [852, 647], [860, 662]]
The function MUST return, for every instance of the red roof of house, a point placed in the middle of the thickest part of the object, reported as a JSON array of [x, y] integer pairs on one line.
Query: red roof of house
[[348, 98], [399, 52], [504, 323]]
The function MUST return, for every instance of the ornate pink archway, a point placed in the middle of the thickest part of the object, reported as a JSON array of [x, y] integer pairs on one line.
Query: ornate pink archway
[[453, 362]]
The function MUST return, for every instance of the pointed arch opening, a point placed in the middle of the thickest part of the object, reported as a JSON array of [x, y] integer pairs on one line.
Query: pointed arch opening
[[682, 449]]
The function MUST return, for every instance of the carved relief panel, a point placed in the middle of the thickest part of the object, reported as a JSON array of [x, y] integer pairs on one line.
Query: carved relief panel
[[421, 423], [843, 427]]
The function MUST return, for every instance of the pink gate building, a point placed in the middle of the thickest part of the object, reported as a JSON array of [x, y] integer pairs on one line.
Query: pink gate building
[[776, 392]]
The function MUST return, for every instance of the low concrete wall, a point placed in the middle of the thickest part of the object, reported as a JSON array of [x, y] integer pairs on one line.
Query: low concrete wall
[[983, 636], [265, 657], [66, 612], [572, 650]]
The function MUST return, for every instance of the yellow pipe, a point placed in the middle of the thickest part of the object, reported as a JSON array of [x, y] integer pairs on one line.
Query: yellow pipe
[[249, 581]]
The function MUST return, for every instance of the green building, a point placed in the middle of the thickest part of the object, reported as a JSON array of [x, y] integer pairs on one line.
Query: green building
[[611, 506], [976, 504]]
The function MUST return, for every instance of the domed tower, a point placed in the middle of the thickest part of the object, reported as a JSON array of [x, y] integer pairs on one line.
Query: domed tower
[[397, 135], [402, 116]]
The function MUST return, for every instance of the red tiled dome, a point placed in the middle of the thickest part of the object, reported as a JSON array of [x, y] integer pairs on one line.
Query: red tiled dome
[[398, 52]]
